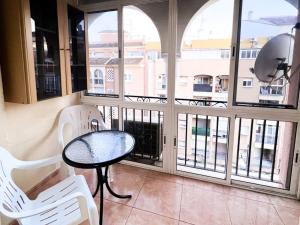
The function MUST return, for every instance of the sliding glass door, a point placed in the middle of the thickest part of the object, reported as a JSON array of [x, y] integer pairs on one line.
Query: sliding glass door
[[178, 75]]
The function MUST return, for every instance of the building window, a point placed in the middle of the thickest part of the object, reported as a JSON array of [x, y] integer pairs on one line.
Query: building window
[[127, 77], [98, 77], [249, 53], [225, 53], [247, 83], [202, 80]]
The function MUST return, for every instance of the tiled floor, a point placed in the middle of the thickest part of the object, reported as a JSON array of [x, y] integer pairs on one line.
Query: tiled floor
[[162, 199]]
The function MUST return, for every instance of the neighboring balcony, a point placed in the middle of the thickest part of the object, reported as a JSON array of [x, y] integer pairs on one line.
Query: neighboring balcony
[[203, 85], [203, 90]]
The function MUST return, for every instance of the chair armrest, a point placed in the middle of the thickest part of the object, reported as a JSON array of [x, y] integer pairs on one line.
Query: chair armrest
[[28, 213], [39, 163]]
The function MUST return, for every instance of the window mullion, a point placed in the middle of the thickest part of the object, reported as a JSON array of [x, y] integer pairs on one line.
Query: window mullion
[[121, 52], [235, 49]]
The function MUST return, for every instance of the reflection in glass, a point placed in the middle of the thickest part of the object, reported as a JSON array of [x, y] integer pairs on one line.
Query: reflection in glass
[[103, 53], [145, 64], [77, 49], [45, 48]]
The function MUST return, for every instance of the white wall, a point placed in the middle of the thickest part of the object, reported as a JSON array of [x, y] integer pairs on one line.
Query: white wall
[[29, 132]]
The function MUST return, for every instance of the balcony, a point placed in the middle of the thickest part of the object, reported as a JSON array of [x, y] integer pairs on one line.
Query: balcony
[[271, 90], [202, 88]]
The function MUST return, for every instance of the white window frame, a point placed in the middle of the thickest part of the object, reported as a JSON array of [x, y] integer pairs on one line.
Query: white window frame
[[247, 82], [171, 110]]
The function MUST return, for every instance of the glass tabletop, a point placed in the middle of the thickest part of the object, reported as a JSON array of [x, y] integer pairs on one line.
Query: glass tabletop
[[101, 148]]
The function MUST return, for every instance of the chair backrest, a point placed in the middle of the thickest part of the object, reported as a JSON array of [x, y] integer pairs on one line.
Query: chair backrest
[[12, 198], [82, 118]]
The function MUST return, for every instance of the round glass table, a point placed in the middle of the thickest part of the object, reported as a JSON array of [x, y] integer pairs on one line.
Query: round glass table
[[97, 150]]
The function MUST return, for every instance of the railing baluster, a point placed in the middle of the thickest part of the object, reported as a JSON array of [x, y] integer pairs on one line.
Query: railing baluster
[[250, 148], [216, 146], [117, 110], [142, 121], [227, 144], [126, 121], [158, 136], [205, 144], [238, 148], [104, 107], [111, 118], [186, 133], [151, 156], [196, 135], [262, 149], [275, 149], [134, 131]]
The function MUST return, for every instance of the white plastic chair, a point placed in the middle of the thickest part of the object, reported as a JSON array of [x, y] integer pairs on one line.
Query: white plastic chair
[[83, 119], [68, 202]]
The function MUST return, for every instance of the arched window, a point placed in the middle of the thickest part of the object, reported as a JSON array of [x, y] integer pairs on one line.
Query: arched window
[[98, 76], [205, 50], [143, 53]]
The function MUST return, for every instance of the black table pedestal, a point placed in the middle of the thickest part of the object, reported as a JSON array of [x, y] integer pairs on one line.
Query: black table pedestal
[[103, 179]]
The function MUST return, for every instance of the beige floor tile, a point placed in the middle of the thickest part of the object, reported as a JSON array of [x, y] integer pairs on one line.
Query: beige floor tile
[[200, 207], [203, 185], [165, 177], [280, 201], [114, 213], [246, 194], [248, 212], [161, 197], [125, 184], [289, 216], [139, 217]]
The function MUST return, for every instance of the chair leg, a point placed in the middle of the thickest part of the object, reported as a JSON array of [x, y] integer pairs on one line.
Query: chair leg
[[94, 216]]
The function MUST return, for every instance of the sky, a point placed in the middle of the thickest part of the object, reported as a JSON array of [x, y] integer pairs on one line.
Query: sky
[[211, 21]]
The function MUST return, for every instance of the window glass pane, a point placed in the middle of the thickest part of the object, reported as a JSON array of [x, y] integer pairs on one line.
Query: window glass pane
[[45, 48], [145, 54], [260, 24], [103, 52], [263, 152], [203, 61], [77, 48]]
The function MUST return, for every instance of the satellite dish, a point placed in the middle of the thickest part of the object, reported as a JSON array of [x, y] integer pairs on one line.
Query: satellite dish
[[274, 59]]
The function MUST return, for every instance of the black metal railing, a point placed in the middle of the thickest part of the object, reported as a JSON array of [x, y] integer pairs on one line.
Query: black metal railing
[[110, 116], [147, 128], [201, 102], [205, 150], [253, 158], [163, 100], [146, 99]]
